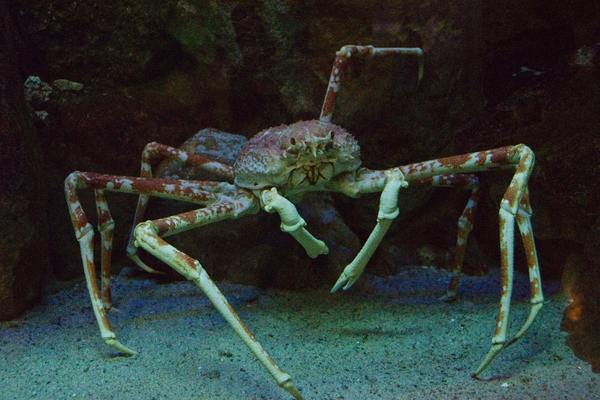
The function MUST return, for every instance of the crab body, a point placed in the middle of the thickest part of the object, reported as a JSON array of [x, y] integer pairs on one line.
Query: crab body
[[301, 157]]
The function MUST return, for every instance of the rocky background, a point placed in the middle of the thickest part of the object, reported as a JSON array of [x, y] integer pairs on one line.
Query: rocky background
[[111, 77]]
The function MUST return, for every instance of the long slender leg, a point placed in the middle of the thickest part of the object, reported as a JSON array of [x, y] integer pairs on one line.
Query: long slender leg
[[509, 207], [537, 296], [86, 243], [292, 222], [148, 236], [106, 226], [341, 59], [84, 232], [388, 211], [152, 153], [465, 223], [519, 157]]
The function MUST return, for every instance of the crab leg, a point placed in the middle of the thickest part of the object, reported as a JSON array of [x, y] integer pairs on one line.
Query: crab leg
[[499, 342], [370, 181], [86, 243], [537, 296], [519, 157], [153, 152], [388, 211], [106, 226], [148, 236], [84, 232], [465, 222], [292, 222], [341, 60]]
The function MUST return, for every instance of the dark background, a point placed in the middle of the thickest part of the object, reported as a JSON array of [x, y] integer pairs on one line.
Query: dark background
[[161, 70]]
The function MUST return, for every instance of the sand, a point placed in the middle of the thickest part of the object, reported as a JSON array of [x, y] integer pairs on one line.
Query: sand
[[393, 341]]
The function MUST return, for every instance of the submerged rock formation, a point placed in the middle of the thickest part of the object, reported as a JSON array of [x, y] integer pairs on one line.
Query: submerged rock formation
[[23, 237], [160, 70], [581, 318]]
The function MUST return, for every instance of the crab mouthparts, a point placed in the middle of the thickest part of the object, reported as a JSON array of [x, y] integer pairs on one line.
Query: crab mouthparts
[[311, 174]]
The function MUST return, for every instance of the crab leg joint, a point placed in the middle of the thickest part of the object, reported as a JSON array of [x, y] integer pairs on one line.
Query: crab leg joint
[[292, 222]]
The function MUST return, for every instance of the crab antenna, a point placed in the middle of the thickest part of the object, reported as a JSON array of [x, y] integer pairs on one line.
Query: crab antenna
[[341, 59]]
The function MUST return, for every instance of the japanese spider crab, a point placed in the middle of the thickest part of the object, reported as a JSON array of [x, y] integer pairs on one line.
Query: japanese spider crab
[[282, 163]]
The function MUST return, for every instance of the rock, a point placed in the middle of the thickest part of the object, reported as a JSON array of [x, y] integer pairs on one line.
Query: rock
[[67, 86], [37, 92], [95, 41], [592, 241], [581, 318], [23, 238], [41, 115], [586, 56], [212, 143]]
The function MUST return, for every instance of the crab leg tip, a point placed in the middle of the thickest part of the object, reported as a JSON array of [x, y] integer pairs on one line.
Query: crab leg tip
[[494, 351], [337, 285], [121, 348], [137, 260], [535, 308], [342, 280], [449, 297], [292, 389]]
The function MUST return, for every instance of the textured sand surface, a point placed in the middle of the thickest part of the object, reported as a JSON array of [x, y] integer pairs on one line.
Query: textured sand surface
[[396, 342]]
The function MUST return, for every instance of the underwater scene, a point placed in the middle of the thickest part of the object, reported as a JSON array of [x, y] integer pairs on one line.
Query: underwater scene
[[285, 199]]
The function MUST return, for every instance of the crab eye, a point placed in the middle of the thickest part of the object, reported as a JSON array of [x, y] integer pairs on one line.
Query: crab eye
[[293, 141], [329, 146], [255, 183]]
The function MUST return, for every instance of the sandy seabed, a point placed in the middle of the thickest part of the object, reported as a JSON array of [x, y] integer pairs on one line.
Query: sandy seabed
[[393, 341]]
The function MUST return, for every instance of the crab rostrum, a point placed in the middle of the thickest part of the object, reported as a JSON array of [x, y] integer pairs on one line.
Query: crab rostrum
[[273, 170]]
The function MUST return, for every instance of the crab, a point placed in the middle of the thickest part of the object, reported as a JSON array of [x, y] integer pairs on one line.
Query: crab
[[274, 169]]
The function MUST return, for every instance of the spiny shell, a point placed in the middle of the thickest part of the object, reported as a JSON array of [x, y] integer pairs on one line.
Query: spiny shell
[[262, 162]]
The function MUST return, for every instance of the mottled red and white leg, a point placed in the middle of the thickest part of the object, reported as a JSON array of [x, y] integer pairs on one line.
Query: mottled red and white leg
[[84, 232], [509, 206], [519, 157], [153, 153], [343, 55], [148, 235], [533, 267], [465, 223], [106, 227]]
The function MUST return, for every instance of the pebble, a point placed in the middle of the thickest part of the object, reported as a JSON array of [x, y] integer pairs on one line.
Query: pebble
[[67, 86]]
